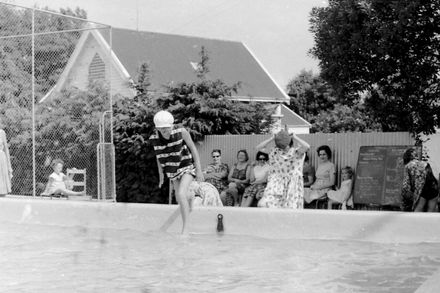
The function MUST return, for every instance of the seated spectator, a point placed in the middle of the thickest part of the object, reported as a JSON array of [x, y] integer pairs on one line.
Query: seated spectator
[[308, 172], [204, 194], [217, 172], [238, 179], [258, 180], [57, 181], [420, 187], [325, 176], [343, 194]]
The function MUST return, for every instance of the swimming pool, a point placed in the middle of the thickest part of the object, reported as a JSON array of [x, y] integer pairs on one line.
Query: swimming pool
[[62, 246]]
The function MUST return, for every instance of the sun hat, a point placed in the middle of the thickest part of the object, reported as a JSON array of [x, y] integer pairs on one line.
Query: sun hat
[[163, 119]]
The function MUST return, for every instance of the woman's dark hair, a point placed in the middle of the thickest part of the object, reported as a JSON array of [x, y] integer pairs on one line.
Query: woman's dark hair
[[216, 151], [326, 149], [408, 155], [245, 153], [260, 153]]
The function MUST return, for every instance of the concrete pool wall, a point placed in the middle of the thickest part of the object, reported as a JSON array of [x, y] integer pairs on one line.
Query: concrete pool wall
[[375, 226]]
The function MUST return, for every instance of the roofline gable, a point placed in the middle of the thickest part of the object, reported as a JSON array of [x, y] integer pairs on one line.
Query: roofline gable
[[118, 64], [106, 48], [295, 114], [287, 98]]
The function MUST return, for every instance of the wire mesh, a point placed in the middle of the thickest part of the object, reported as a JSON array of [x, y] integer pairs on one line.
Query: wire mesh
[[54, 86], [106, 163]]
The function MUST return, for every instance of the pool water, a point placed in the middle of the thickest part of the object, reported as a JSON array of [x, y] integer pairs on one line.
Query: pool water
[[42, 258]]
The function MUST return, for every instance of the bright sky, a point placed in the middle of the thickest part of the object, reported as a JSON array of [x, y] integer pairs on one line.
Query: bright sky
[[276, 31]]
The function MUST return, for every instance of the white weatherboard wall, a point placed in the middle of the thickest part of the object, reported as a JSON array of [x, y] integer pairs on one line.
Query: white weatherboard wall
[[375, 226]]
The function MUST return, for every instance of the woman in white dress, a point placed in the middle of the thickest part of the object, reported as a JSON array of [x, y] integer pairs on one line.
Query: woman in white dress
[[325, 176], [5, 165], [258, 180]]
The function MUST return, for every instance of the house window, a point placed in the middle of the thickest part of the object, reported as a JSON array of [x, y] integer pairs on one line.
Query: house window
[[96, 68]]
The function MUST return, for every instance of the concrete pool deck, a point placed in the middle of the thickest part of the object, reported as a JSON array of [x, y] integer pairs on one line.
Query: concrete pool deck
[[374, 226]]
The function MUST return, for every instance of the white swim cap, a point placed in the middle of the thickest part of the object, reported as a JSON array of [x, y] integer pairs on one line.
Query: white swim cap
[[163, 119]]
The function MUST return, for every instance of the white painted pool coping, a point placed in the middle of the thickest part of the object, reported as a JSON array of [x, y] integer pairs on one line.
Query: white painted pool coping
[[375, 226]]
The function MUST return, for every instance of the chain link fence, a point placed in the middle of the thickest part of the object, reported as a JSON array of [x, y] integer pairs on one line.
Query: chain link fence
[[55, 87]]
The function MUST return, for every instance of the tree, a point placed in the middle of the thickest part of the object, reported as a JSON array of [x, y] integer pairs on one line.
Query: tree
[[136, 169], [387, 51], [310, 94], [343, 118], [315, 100], [205, 107], [52, 51]]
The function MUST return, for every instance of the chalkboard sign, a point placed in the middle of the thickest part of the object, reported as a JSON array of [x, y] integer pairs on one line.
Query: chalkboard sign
[[379, 175]]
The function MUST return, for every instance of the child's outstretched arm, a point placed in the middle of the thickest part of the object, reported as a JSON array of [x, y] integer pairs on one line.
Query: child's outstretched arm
[[192, 147]]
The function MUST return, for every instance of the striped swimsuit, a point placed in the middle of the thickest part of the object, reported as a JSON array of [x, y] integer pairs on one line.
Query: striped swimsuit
[[173, 154]]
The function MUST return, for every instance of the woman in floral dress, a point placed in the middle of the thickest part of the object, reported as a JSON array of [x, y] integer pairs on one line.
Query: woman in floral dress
[[285, 182], [204, 194], [5, 165], [420, 187]]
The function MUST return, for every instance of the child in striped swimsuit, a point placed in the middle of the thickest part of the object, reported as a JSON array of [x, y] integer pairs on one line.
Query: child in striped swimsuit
[[177, 158]]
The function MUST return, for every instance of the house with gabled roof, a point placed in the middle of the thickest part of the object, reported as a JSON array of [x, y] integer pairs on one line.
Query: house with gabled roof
[[172, 58]]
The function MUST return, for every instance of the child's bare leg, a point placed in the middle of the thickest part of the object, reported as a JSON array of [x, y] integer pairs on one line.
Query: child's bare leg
[[65, 191], [246, 202], [233, 191], [420, 205], [432, 205], [190, 197], [181, 187], [223, 197], [330, 204]]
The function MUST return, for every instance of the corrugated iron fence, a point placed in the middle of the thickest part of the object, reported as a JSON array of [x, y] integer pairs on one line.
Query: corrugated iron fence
[[344, 146]]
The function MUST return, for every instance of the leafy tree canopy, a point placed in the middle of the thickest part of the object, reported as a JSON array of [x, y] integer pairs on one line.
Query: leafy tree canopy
[[387, 51], [316, 101]]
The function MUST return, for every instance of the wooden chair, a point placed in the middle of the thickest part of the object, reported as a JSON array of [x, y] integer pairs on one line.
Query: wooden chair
[[75, 182]]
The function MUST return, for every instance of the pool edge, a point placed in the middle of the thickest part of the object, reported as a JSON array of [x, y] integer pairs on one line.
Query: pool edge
[[374, 226]]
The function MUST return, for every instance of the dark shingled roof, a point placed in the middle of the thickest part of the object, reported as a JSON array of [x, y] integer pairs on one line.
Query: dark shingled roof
[[170, 58]]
